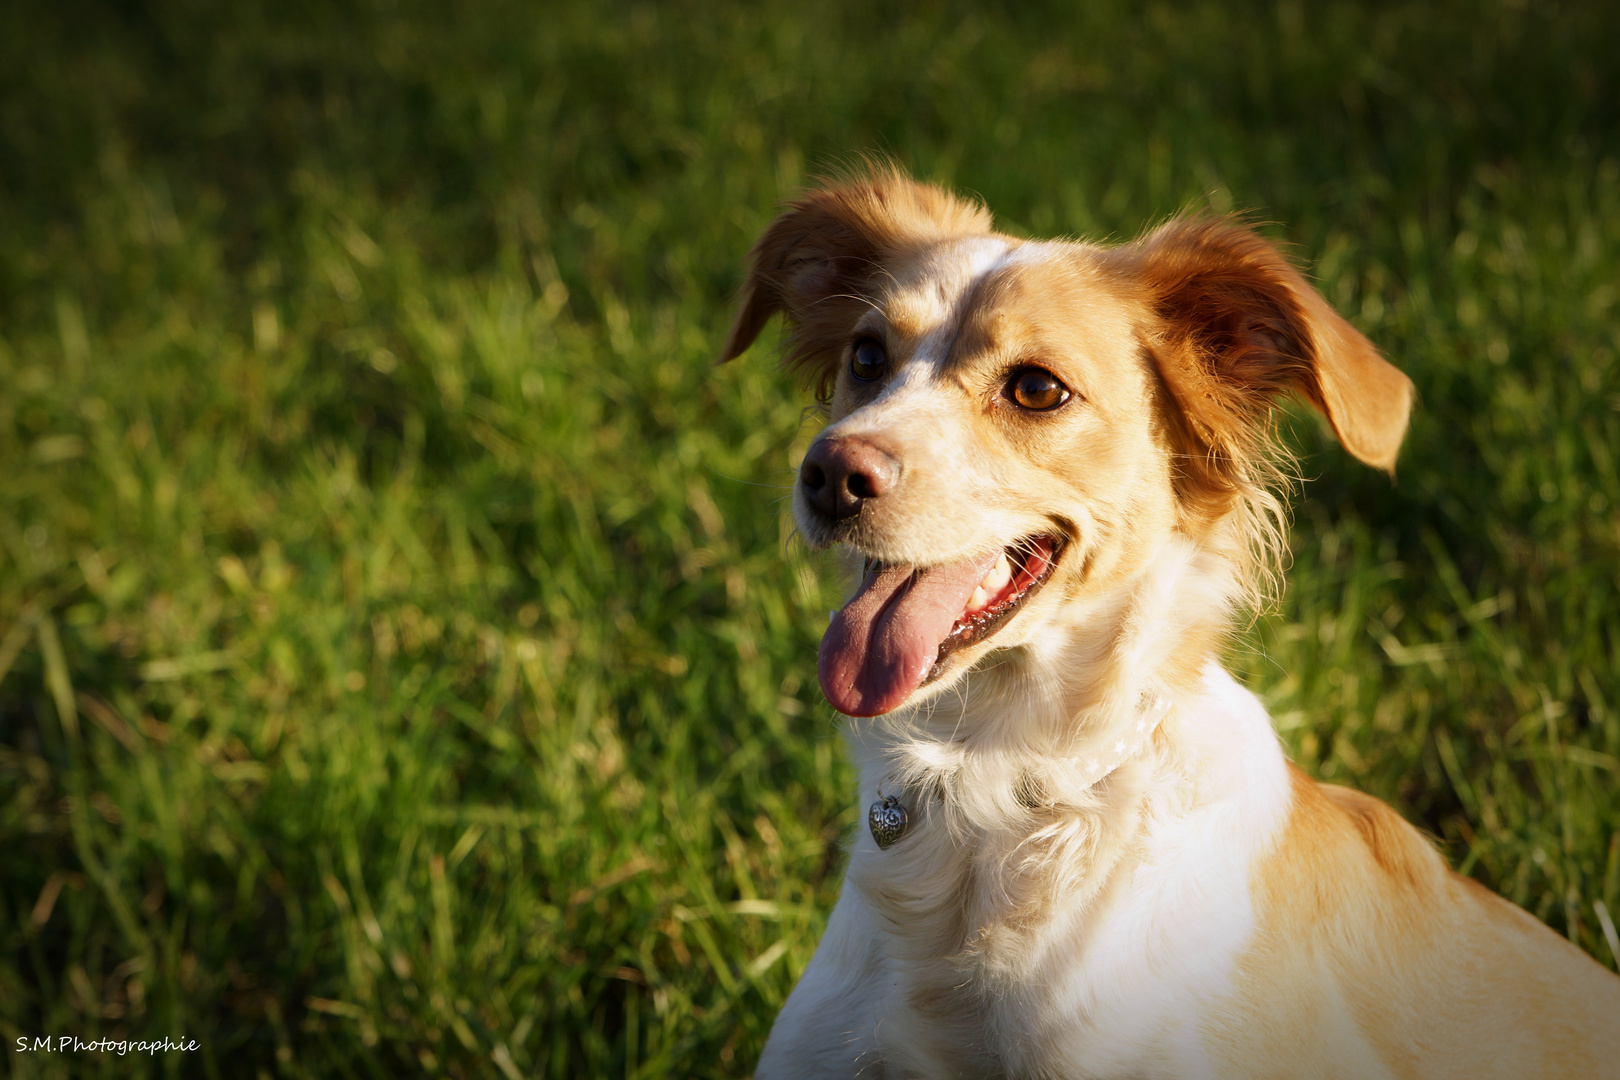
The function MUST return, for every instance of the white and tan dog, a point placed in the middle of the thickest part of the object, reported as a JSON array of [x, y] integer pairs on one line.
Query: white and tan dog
[[1056, 463]]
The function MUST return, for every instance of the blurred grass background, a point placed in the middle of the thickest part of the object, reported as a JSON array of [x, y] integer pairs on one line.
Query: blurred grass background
[[403, 666]]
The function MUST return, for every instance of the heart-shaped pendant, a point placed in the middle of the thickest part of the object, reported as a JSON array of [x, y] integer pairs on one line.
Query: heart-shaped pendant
[[887, 820]]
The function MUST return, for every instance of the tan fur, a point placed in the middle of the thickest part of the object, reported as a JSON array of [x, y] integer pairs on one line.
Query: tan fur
[[1239, 328], [1196, 908], [1351, 895]]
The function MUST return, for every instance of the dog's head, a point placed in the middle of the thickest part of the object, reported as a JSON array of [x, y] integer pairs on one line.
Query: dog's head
[[1018, 422]]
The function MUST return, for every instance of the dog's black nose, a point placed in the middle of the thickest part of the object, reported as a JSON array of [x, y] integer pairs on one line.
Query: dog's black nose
[[839, 475]]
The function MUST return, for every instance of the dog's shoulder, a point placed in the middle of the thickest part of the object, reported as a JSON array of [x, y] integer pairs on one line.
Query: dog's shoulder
[[1368, 944]]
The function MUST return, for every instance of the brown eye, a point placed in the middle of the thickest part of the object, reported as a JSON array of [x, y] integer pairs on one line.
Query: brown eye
[[868, 361], [1037, 389]]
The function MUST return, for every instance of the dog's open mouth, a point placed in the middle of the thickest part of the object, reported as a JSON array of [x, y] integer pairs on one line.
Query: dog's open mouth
[[896, 632]]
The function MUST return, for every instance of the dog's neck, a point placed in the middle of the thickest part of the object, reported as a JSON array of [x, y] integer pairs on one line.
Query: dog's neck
[[1043, 723], [998, 772]]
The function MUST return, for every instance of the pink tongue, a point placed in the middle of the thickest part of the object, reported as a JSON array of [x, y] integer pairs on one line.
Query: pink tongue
[[883, 644]]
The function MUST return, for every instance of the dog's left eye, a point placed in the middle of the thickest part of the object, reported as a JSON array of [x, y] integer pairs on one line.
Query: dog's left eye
[[868, 361], [1037, 389]]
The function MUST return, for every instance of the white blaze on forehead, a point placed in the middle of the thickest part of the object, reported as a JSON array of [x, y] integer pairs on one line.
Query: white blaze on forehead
[[935, 295]]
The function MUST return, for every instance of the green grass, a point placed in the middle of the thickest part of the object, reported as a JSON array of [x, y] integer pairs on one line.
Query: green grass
[[405, 665]]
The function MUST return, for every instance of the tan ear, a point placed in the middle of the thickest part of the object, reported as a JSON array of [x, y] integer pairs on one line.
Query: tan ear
[[1240, 327], [817, 263]]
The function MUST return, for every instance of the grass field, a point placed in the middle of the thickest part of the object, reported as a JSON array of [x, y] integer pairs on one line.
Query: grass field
[[404, 666]]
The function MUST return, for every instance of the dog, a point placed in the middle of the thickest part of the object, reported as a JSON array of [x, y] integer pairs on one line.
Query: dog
[[1054, 466]]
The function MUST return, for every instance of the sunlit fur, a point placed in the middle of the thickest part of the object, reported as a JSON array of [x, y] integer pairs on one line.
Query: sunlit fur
[[1204, 910]]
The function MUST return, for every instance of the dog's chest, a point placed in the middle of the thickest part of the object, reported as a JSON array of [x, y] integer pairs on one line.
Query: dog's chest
[[1094, 986], [1091, 950]]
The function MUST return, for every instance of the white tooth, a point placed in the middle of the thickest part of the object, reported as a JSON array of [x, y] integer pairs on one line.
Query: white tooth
[[997, 578], [979, 598]]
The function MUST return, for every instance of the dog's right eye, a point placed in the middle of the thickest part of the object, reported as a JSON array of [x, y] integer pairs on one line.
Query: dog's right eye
[[1037, 389], [868, 361]]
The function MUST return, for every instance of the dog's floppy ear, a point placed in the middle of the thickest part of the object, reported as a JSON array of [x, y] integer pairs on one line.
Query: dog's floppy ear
[[1239, 327], [817, 263]]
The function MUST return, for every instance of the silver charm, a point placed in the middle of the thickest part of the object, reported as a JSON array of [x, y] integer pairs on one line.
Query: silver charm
[[887, 820]]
